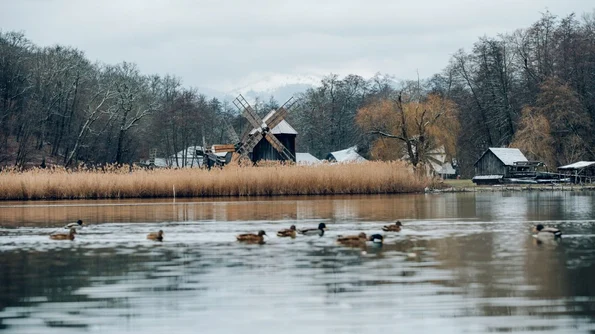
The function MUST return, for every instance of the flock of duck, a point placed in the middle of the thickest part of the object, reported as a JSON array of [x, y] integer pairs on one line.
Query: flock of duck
[[541, 233], [349, 240]]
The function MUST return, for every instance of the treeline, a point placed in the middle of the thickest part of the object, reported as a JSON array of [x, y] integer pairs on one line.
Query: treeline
[[57, 105], [532, 88]]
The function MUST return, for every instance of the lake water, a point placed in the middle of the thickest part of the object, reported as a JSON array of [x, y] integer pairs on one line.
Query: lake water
[[464, 263]]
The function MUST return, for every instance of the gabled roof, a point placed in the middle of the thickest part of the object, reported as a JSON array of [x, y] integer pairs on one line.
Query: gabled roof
[[282, 128], [347, 155], [578, 165], [306, 159], [508, 156]]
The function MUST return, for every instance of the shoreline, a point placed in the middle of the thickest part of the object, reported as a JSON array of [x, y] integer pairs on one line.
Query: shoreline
[[248, 197], [517, 188]]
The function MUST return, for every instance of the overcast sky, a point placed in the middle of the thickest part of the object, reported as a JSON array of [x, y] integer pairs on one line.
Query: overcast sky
[[224, 45]]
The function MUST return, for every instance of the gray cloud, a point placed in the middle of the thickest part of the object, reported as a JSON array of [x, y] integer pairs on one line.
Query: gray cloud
[[226, 44]]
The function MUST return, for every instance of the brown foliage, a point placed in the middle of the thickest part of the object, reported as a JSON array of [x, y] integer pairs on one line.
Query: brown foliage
[[415, 128], [534, 137], [554, 130]]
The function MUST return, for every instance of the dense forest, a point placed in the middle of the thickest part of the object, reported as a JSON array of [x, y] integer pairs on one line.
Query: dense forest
[[533, 89]]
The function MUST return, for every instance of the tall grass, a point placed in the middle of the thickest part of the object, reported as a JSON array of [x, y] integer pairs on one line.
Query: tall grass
[[268, 180]]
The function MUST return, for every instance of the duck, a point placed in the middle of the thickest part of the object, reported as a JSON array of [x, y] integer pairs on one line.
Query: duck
[[288, 232], [252, 238], [376, 238], [393, 228], [79, 223], [157, 236], [64, 236], [546, 232], [353, 240], [314, 231]]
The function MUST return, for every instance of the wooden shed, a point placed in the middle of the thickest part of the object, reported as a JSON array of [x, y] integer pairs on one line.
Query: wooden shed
[[579, 172], [496, 164]]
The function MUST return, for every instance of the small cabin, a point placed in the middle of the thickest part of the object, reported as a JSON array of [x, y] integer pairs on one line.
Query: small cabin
[[284, 132], [497, 164]]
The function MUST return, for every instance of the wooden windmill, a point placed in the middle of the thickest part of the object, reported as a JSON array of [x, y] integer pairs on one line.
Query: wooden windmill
[[258, 130]]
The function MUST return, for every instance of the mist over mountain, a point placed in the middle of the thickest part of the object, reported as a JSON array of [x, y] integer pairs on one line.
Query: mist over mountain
[[281, 87]]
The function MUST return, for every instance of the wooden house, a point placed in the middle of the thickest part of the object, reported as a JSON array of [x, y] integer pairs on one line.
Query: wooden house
[[497, 164]]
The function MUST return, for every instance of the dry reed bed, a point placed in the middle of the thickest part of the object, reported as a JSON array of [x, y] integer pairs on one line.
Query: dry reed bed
[[363, 178]]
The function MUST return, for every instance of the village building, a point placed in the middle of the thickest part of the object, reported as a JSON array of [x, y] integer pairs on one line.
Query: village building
[[306, 159], [439, 164], [347, 155], [190, 157], [579, 172], [497, 164]]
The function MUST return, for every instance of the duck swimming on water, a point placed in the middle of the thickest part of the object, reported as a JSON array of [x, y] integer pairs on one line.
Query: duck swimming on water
[[252, 238], [376, 238], [288, 232], [547, 232], [64, 236], [157, 236], [353, 240], [314, 231], [393, 228]]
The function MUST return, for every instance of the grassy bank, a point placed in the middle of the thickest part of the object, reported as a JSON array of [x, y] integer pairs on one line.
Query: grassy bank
[[364, 178], [459, 184]]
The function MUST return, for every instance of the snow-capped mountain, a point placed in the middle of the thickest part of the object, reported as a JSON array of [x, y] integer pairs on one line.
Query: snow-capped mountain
[[281, 87], [273, 82]]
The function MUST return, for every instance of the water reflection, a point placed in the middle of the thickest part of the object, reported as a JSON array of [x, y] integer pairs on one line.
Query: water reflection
[[463, 263]]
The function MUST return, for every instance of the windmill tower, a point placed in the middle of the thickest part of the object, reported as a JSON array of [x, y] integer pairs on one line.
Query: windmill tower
[[268, 138]]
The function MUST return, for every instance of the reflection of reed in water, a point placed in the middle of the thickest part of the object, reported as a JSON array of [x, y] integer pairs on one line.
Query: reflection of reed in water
[[372, 208]]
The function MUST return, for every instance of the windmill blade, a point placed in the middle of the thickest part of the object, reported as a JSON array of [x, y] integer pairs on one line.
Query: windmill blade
[[250, 143], [277, 145], [289, 103], [276, 118], [280, 114], [233, 136], [246, 133], [246, 110]]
